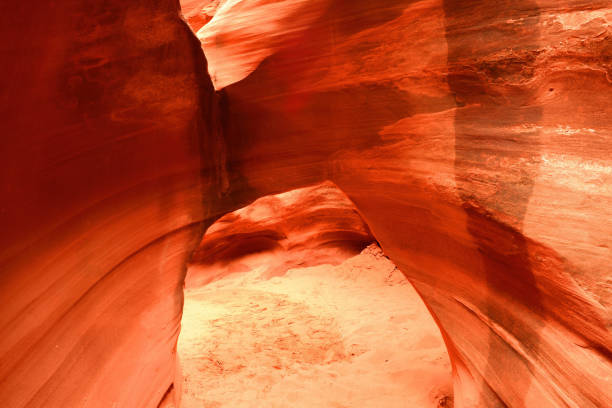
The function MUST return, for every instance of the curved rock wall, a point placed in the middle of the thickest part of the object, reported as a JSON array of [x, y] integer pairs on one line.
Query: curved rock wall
[[474, 138], [300, 228], [198, 12], [108, 141]]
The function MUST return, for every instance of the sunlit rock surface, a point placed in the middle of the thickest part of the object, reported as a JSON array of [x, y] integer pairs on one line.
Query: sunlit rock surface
[[304, 227], [474, 138], [198, 12], [242, 33]]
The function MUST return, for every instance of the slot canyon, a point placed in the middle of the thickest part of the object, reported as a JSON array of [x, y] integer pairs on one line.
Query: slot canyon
[[289, 302], [310, 203]]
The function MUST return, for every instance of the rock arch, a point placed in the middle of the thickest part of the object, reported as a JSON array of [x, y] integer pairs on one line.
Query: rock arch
[[116, 152]]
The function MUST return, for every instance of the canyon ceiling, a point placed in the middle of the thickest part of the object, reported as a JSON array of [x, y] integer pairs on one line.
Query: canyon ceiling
[[473, 136]]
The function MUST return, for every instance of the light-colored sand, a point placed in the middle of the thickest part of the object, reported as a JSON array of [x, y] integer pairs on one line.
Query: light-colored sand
[[354, 335]]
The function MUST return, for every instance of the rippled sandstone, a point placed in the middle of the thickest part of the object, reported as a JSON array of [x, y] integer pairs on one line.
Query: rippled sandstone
[[472, 136]]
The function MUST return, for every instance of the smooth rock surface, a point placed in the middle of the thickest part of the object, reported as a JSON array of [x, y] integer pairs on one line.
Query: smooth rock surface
[[303, 227], [472, 136], [108, 141]]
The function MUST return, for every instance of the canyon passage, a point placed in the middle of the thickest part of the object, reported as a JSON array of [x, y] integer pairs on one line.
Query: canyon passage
[[156, 153], [290, 302]]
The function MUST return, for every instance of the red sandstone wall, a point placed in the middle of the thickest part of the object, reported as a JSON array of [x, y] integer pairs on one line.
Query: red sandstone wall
[[199, 12], [303, 227], [474, 137], [107, 142]]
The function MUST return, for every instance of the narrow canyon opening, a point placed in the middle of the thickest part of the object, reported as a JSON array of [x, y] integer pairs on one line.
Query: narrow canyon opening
[[291, 302], [468, 142]]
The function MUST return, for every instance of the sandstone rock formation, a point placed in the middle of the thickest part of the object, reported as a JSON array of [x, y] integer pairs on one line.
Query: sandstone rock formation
[[108, 151], [472, 136], [300, 228], [198, 12], [242, 33]]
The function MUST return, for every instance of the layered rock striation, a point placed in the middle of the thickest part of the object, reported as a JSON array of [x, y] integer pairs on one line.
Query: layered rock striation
[[300, 228], [473, 138], [108, 151]]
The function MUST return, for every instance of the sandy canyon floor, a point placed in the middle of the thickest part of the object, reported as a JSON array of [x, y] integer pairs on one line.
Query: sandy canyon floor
[[354, 335]]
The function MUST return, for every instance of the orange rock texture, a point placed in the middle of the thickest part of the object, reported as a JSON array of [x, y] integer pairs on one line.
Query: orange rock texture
[[474, 138], [300, 228], [107, 153]]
